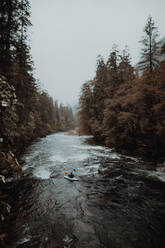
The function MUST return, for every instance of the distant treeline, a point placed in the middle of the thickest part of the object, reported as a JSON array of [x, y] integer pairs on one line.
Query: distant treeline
[[123, 106], [35, 114]]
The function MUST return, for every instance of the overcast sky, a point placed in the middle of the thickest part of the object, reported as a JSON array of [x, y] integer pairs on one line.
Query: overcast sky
[[68, 35]]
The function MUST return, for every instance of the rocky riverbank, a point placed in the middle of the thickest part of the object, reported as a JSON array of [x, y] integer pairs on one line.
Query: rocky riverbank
[[9, 166], [9, 171], [16, 132]]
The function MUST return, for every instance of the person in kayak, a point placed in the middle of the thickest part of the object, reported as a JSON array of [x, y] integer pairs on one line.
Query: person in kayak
[[71, 175]]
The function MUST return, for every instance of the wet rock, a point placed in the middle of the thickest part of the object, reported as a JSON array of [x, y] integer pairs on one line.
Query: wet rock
[[54, 175], [2, 217], [2, 179], [67, 240]]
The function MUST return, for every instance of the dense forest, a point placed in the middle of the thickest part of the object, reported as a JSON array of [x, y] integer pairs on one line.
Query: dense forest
[[123, 106], [26, 111]]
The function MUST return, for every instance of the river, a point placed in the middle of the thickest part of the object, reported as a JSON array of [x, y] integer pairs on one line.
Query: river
[[117, 202]]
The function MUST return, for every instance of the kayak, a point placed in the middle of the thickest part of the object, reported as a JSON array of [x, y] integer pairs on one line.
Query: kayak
[[71, 178]]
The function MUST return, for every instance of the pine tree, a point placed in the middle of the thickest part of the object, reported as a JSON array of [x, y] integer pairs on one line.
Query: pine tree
[[150, 50], [99, 84], [126, 71], [23, 64], [99, 95], [15, 59], [86, 108], [112, 67], [8, 35]]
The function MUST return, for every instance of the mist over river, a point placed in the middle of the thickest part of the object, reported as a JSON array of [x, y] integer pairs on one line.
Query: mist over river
[[118, 202]]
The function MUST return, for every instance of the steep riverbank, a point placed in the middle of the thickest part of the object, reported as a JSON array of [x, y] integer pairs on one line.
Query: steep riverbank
[[18, 128], [118, 202], [10, 171]]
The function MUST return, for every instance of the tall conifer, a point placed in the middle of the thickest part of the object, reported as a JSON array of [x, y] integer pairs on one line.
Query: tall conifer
[[150, 50], [8, 35]]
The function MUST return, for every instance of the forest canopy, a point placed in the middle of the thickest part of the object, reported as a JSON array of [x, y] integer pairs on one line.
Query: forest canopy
[[26, 111], [123, 106]]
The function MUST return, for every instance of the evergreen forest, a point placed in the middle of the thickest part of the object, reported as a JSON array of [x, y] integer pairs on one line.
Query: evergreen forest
[[123, 105], [26, 111]]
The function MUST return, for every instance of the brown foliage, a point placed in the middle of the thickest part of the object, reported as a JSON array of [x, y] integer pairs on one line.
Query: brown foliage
[[130, 111]]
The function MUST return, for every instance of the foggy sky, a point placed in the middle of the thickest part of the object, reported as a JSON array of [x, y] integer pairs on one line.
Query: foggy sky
[[68, 35]]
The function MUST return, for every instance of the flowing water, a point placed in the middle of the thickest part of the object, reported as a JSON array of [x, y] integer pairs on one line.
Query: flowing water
[[115, 203]]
